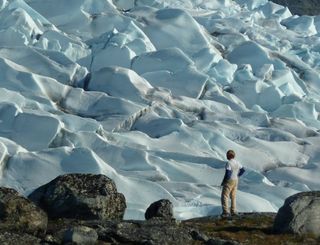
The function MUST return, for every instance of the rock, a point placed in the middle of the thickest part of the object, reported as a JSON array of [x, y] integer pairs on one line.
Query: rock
[[198, 236], [81, 196], [80, 235], [19, 214], [153, 231], [8, 238], [50, 239], [300, 214], [162, 209], [217, 241]]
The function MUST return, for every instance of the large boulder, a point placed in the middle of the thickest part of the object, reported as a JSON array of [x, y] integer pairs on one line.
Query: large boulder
[[19, 214], [150, 232], [162, 209], [300, 214], [81, 196]]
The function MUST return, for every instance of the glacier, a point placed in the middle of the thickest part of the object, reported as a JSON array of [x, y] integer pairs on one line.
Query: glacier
[[152, 93]]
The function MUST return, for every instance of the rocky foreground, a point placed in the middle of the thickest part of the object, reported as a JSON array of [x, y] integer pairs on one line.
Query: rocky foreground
[[87, 209]]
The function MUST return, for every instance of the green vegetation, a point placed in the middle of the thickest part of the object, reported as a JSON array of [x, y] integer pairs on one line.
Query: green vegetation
[[248, 229]]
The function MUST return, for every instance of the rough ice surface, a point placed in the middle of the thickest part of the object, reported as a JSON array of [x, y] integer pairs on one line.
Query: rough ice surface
[[152, 93]]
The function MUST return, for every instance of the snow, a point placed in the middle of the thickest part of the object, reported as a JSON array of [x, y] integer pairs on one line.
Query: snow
[[34, 138], [176, 70], [112, 80], [153, 94], [303, 25]]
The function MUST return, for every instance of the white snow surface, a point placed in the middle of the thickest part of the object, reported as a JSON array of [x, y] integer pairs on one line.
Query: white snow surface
[[152, 93]]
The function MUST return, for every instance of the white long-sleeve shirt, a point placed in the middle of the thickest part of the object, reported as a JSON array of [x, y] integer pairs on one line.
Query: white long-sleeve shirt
[[234, 166]]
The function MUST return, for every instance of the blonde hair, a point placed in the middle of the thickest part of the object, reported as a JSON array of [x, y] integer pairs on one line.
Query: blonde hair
[[230, 154]]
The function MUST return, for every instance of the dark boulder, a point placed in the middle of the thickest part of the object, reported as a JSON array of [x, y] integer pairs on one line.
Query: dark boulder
[[82, 196], [162, 209], [150, 232], [9, 238], [300, 214], [19, 214], [217, 241]]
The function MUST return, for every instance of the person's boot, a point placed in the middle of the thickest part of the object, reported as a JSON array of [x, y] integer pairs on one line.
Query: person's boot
[[225, 215], [234, 214]]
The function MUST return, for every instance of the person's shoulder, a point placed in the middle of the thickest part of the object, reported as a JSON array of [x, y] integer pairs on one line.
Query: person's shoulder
[[235, 162], [238, 163]]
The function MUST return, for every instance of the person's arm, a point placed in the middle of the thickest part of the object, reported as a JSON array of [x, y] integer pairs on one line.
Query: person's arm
[[227, 174], [241, 171]]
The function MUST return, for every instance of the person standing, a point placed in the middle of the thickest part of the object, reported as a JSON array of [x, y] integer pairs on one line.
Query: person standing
[[230, 183]]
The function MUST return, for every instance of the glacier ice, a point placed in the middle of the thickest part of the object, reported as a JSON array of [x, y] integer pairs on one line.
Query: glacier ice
[[153, 93]]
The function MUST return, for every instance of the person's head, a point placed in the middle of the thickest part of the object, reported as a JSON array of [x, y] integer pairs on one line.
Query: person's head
[[230, 154]]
